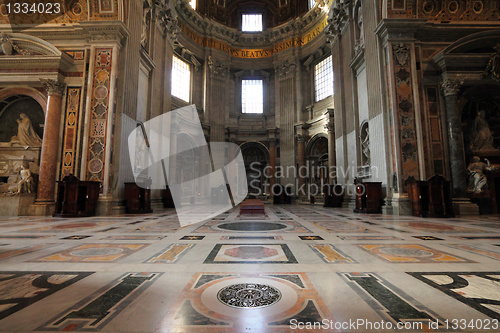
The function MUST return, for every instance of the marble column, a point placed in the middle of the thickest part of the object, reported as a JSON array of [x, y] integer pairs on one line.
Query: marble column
[[50, 144], [301, 157], [455, 138], [272, 164], [332, 158]]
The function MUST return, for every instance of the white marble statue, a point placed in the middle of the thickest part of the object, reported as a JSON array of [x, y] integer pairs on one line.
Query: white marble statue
[[26, 135]]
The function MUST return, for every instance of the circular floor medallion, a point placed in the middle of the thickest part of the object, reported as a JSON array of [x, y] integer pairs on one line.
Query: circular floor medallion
[[249, 295], [252, 226]]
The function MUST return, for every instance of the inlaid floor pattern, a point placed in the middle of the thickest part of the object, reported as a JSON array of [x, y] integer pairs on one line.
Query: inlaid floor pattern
[[299, 268]]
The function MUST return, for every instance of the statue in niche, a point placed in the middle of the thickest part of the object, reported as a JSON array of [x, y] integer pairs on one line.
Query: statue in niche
[[26, 135], [482, 139], [365, 145], [477, 178], [27, 183], [146, 22], [493, 67]]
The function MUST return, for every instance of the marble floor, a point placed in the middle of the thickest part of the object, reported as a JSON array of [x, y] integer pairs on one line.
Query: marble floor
[[299, 268]]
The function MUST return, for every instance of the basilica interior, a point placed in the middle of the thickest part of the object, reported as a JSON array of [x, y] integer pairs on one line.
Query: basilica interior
[[339, 161]]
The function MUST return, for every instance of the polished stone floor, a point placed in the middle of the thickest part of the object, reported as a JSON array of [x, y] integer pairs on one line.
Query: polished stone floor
[[297, 268]]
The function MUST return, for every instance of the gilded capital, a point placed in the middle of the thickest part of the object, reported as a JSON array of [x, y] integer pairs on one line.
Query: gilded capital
[[53, 87]]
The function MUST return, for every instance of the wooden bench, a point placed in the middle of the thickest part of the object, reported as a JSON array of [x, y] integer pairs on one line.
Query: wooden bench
[[252, 207]]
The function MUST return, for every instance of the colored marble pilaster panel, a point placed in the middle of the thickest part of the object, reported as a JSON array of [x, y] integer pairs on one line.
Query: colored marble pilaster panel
[[479, 290], [330, 254], [410, 253], [173, 253], [20, 289], [99, 107], [405, 107], [388, 301], [95, 311], [70, 131]]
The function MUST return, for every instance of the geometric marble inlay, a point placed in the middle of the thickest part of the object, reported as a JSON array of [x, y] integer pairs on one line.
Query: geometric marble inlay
[[330, 254], [20, 289], [98, 309], [391, 303], [236, 302], [170, 255], [249, 295], [93, 253], [251, 226], [479, 290], [410, 253], [250, 254]]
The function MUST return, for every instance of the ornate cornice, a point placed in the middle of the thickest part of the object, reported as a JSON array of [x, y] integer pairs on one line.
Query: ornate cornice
[[167, 18], [53, 87], [208, 28], [337, 20], [113, 32], [451, 87], [218, 68]]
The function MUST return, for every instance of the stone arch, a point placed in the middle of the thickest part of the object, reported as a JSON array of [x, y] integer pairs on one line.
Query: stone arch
[[313, 141], [317, 157], [481, 97], [480, 42], [27, 91], [32, 44], [256, 158]]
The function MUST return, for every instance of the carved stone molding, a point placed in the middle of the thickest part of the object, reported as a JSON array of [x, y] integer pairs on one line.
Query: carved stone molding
[[53, 87], [7, 46], [300, 137], [217, 68], [285, 69], [451, 87], [166, 18], [337, 20], [330, 120]]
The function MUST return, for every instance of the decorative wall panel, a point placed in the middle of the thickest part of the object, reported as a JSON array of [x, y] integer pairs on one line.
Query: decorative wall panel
[[405, 110], [99, 114], [70, 131], [77, 55]]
